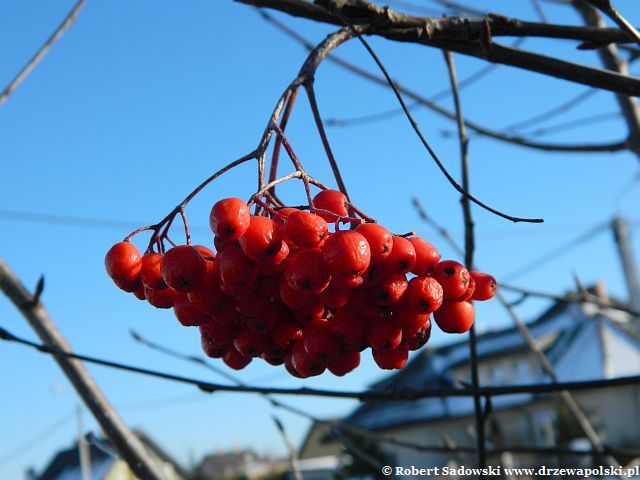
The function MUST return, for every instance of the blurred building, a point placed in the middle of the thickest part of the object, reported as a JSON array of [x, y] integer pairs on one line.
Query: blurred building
[[583, 342], [104, 465], [238, 464]]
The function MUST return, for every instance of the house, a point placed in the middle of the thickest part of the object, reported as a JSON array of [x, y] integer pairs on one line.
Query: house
[[104, 465], [238, 463], [582, 342]]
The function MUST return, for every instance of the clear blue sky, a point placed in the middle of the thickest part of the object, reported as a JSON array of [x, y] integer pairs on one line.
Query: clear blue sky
[[139, 102]]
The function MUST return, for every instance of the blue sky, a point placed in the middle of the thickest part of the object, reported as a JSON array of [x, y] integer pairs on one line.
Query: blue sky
[[139, 102]]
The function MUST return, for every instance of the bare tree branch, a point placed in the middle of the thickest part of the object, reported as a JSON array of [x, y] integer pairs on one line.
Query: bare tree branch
[[31, 64], [476, 127], [464, 35], [609, 10]]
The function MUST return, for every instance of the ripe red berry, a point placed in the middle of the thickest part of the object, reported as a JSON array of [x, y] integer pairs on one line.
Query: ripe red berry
[[349, 327], [219, 335], [335, 296], [286, 332], [453, 277], [409, 319], [427, 256], [306, 271], [263, 322], [306, 230], [402, 258], [379, 239], [207, 297], [320, 344], [414, 340], [151, 271], [455, 317], [304, 364], [332, 201], [183, 268], [129, 286], [391, 359], [236, 268], [347, 253], [139, 293], [261, 242], [486, 286], [123, 261], [206, 253], [163, 298], [471, 288], [424, 295], [187, 314], [250, 344], [297, 300], [390, 289], [233, 359], [344, 363], [229, 219], [384, 335]]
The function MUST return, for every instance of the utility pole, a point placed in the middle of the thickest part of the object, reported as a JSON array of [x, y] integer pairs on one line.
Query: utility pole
[[83, 447], [627, 257]]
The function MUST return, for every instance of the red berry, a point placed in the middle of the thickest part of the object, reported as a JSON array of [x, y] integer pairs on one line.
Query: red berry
[[453, 277], [151, 271], [344, 363], [413, 340], [139, 293], [332, 201], [455, 317], [261, 242], [250, 344], [219, 335], [123, 261], [486, 286], [471, 288], [304, 364], [229, 219], [286, 332], [402, 258], [384, 335], [206, 253], [235, 360], [349, 327], [347, 253], [409, 319], [129, 286], [391, 359], [263, 322], [334, 296], [187, 314], [163, 298], [320, 344], [306, 230], [236, 268], [379, 238], [390, 289], [306, 271], [207, 297], [427, 256], [183, 268], [211, 350], [424, 295], [295, 299]]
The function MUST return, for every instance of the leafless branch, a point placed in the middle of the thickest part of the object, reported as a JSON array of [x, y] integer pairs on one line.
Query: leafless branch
[[33, 62]]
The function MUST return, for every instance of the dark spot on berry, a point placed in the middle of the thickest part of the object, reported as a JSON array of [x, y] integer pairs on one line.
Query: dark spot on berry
[[449, 271]]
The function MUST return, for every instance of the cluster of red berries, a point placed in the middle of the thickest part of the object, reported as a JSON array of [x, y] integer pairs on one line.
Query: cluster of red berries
[[284, 288]]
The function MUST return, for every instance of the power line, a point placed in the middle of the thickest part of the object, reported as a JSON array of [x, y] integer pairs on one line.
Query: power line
[[37, 438], [557, 251], [78, 221], [362, 395]]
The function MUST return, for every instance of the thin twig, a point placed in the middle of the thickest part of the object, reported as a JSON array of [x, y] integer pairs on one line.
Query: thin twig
[[33, 62], [426, 144], [476, 127], [469, 247]]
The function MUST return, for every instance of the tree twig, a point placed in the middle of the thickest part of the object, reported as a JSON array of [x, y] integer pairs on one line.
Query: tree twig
[[33, 62]]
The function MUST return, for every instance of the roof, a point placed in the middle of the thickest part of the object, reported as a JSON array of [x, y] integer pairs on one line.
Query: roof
[[581, 341], [66, 464]]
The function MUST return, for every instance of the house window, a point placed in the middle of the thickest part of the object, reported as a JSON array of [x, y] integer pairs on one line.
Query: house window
[[543, 427]]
